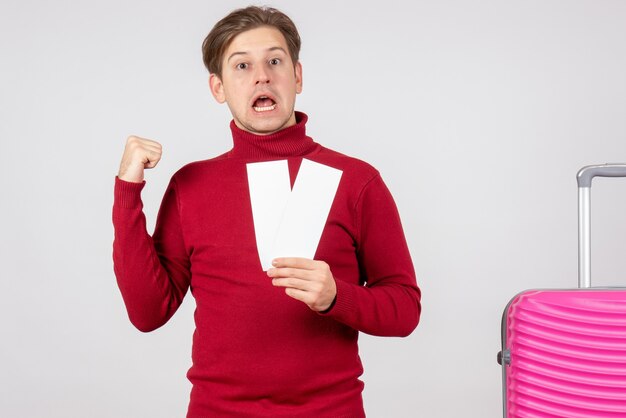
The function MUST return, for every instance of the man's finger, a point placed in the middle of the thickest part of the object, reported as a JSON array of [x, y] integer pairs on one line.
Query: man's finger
[[290, 272], [151, 158], [295, 283], [295, 262], [298, 294], [306, 297]]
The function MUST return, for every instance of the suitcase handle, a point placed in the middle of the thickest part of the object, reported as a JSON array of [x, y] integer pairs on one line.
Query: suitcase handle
[[584, 177]]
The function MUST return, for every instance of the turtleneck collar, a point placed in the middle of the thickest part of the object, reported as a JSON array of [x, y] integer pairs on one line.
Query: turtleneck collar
[[288, 142]]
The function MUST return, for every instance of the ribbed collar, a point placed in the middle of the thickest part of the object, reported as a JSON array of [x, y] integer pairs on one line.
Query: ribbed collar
[[288, 142]]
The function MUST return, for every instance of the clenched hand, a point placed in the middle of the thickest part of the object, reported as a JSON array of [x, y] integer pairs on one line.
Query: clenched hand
[[139, 154]]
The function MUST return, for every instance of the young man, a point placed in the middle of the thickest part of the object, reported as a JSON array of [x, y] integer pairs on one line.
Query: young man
[[275, 340]]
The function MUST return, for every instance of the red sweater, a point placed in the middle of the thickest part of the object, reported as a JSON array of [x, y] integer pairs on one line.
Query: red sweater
[[256, 351]]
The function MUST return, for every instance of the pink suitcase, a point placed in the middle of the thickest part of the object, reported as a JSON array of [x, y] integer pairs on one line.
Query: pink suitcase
[[564, 350]]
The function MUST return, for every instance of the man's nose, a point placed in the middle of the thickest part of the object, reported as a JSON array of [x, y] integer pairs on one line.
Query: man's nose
[[262, 76]]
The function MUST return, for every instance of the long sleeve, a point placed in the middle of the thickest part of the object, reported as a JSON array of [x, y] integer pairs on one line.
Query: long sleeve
[[389, 303], [153, 273]]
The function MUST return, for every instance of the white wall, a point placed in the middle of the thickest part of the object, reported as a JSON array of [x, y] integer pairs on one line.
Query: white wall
[[477, 113]]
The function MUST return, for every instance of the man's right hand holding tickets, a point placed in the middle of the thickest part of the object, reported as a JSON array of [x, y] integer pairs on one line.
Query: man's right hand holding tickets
[[139, 154]]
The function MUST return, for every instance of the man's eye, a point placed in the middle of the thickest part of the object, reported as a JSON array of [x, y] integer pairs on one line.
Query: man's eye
[[275, 61], [242, 66]]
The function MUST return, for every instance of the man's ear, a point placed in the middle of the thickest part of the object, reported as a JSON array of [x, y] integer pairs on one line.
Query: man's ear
[[298, 77], [217, 88]]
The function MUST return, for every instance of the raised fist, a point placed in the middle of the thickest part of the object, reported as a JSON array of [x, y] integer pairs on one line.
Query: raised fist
[[139, 154]]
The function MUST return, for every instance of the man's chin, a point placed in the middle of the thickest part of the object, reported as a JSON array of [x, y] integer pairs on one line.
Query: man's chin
[[266, 127]]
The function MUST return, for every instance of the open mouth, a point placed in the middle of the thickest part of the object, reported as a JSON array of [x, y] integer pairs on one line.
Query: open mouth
[[264, 104]]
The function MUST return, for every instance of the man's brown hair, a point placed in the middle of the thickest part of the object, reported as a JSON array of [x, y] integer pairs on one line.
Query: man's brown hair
[[241, 20]]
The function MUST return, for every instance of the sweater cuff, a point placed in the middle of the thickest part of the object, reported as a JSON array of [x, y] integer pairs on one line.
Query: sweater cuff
[[128, 194], [343, 306]]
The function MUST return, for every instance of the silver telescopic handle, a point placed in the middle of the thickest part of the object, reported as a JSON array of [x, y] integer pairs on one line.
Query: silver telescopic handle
[[584, 177]]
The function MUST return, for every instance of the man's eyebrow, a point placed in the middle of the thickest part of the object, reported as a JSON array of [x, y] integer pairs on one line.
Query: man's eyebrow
[[235, 53], [277, 48], [274, 48]]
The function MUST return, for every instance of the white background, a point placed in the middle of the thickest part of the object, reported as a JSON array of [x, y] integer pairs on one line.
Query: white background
[[477, 113]]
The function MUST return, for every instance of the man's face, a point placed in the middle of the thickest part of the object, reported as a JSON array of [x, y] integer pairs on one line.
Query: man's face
[[259, 82]]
